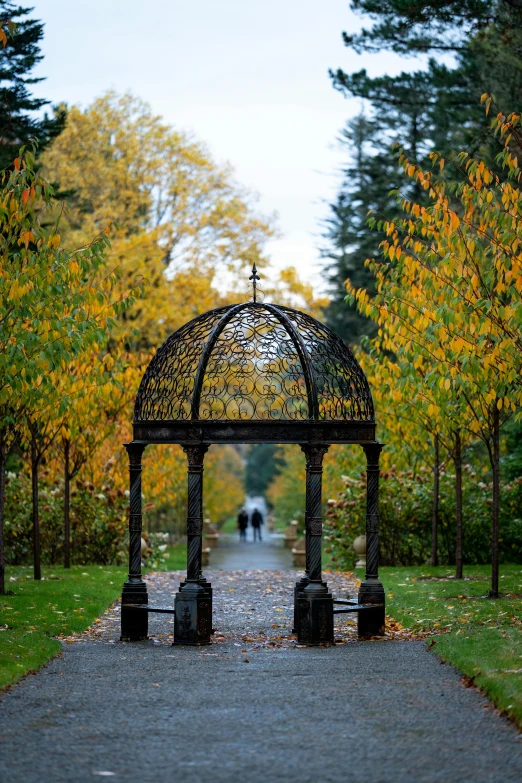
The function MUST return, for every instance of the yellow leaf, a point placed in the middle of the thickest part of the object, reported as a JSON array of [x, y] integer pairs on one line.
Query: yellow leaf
[[25, 238]]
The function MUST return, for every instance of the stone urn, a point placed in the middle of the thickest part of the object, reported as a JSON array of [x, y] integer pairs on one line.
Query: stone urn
[[290, 536], [359, 546], [299, 553], [211, 534]]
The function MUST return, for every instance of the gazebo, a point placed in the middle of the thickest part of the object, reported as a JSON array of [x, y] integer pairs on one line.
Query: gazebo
[[254, 373]]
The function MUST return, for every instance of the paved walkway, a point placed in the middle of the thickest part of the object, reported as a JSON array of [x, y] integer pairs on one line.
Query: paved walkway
[[254, 706], [232, 554]]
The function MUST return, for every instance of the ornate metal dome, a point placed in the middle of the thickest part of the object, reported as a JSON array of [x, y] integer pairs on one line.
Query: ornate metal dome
[[254, 361]]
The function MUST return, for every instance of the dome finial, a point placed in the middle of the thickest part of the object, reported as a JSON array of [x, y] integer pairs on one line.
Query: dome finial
[[254, 277]]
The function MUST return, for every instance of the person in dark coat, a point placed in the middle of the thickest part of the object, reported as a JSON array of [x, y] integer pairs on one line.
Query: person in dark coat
[[257, 521], [242, 523]]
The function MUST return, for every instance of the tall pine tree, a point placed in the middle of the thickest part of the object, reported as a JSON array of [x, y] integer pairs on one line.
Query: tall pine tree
[[365, 185], [19, 119], [436, 108]]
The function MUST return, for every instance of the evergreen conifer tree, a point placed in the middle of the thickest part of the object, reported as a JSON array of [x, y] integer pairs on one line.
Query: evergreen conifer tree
[[18, 108], [435, 108]]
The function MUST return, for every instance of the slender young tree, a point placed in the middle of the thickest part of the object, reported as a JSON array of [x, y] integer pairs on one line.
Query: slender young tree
[[54, 303], [451, 287]]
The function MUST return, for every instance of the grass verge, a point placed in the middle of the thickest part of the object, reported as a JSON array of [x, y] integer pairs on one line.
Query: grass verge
[[229, 526], [480, 636], [65, 601], [177, 558]]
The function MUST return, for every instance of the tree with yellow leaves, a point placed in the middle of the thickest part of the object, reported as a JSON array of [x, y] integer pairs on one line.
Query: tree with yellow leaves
[[54, 304], [179, 220], [449, 294], [223, 483]]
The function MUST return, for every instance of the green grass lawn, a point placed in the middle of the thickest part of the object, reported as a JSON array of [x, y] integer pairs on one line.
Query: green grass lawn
[[480, 636], [65, 601], [229, 526], [177, 558]]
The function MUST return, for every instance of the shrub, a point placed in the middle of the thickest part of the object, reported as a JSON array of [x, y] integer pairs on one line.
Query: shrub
[[98, 522], [405, 518]]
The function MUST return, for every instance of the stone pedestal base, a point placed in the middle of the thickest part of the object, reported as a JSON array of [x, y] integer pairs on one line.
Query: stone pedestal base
[[314, 615], [371, 622], [207, 586], [299, 587], [193, 614], [134, 622]]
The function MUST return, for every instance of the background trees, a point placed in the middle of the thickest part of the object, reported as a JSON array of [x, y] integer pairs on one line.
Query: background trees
[[440, 310], [447, 303], [179, 221], [180, 229], [54, 305]]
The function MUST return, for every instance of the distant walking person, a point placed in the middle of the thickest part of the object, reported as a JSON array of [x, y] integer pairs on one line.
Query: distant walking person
[[257, 521], [242, 523]]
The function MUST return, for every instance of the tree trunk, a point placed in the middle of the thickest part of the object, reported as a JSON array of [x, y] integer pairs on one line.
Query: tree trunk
[[35, 459], [457, 459], [435, 508], [66, 506], [3, 452], [496, 502]]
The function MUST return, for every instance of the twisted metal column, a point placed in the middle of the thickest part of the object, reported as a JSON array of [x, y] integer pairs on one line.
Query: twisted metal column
[[134, 624], [193, 601], [135, 452], [313, 604], [371, 623], [372, 509], [195, 457], [313, 516]]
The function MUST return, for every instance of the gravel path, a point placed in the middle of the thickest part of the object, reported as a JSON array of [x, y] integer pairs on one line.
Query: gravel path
[[254, 605], [254, 706]]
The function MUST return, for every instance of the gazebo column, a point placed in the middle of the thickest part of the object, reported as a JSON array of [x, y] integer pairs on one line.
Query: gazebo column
[[301, 584], [313, 609], [134, 622], [371, 591], [193, 602]]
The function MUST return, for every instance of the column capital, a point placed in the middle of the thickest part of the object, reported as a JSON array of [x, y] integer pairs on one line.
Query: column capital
[[372, 451], [314, 454], [135, 452], [195, 455]]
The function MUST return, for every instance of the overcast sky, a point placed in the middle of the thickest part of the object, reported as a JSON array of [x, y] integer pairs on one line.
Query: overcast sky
[[247, 77]]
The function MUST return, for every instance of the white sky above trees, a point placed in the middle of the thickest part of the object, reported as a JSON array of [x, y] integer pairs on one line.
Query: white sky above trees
[[249, 79]]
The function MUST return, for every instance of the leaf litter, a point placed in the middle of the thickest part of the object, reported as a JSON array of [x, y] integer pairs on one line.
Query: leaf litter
[[252, 609]]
